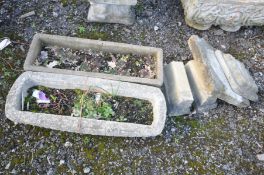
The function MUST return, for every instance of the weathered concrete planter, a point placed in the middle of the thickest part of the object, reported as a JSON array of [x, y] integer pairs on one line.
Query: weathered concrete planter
[[83, 125], [78, 43], [230, 15], [112, 11]]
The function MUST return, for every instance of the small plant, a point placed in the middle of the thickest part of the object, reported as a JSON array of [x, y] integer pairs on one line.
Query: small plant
[[122, 119], [138, 103], [86, 140], [86, 106], [82, 30], [139, 8], [105, 110]]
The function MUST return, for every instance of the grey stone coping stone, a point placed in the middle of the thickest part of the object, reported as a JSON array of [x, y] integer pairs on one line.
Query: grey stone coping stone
[[238, 76], [110, 13], [204, 92], [205, 54], [178, 92], [117, 2], [78, 43], [230, 15], [84, 125]]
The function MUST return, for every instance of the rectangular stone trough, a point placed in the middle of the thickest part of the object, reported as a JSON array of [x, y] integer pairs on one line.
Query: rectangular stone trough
[[41, 40], [13, 108]]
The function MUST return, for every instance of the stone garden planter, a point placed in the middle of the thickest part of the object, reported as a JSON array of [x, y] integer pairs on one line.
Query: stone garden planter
[[13, 108], [230, 15], [112, 11], [41, 40]]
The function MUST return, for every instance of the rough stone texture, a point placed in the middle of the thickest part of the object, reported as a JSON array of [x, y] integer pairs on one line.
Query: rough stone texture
[[205, 54], [230, 15], [178, 92], [204, 92], [78, 43], [109, 13], [84, 125], [117, 2], [238, 76], [112, 11]]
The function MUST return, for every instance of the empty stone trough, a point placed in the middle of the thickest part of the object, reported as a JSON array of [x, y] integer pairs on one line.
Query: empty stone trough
[[14, 103], [41, 40]]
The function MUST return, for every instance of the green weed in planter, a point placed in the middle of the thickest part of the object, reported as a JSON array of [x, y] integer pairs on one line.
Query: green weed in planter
[[85, 106]]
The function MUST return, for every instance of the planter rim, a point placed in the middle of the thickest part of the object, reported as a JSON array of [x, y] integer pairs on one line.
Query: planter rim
[[108, 46], [84, 125]]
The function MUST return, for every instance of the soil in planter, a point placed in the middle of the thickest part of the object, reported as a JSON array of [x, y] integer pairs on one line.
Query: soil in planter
[[90, 104], [93, 61]]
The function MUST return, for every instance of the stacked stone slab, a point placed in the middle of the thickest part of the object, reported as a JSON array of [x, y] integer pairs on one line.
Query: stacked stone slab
[[230, 15], [205, 94], [213, 75], [238, 76], [210, 76], [112, 11], [178, 92]]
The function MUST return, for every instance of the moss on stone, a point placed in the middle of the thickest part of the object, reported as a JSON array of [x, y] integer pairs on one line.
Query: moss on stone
[[90, 153], [62, 169], [17, 160], [68, 2], [11, 35], [241, 54], [94, 34]]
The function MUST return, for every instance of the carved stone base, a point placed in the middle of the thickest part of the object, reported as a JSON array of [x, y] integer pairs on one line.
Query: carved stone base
[[112, 11], [230, 15]]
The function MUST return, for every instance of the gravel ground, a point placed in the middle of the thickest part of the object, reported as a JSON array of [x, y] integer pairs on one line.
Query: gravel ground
[[223, 141]]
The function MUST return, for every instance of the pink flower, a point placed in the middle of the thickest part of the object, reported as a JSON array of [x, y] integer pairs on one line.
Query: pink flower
[[40, 96]]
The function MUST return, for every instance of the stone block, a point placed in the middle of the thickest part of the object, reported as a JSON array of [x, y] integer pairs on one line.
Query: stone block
[[109, 13], [178, 91], [230, 15], [238, 76], [84, 125], [204, 92], [41, 40], [112, 11], [205, 54]]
